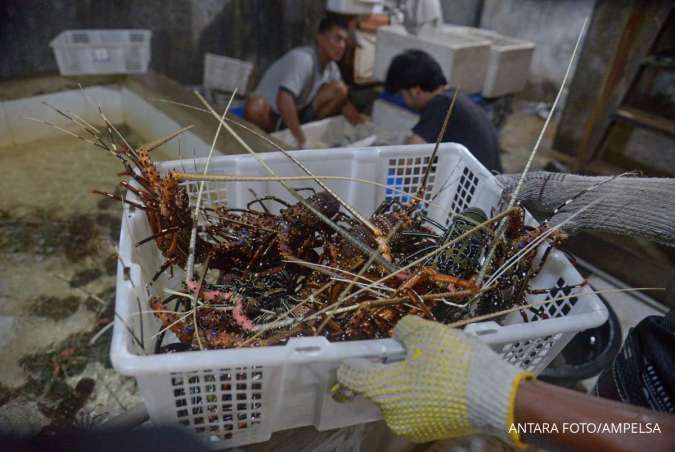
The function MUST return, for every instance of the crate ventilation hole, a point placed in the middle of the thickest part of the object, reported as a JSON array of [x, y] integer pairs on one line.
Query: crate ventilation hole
[[405, 175], [219, 402], [464, 193]]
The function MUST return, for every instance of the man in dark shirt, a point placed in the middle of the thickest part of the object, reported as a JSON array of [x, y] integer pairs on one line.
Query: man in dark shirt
[[418, 78]]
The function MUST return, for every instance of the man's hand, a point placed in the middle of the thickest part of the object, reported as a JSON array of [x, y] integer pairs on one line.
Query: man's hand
[[449, 385], [289, 114], [350, 112]]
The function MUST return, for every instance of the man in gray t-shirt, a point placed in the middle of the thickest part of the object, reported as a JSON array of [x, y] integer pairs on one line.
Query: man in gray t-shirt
[[304, 85]]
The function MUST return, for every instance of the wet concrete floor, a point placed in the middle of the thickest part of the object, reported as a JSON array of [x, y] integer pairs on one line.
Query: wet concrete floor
[[57, 286]]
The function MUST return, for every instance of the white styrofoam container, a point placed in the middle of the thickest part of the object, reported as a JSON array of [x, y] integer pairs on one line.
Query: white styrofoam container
[[225, 73], [87, 52], [355, 6], [393, 123], [324, 132], [241, 396], [510, 58], [463, 59]]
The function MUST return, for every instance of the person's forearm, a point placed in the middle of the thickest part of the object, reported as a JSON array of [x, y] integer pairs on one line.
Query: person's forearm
[[350, 112], [289, 114], [547, 405]]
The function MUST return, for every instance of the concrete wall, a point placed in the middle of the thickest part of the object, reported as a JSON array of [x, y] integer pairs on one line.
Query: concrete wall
[[256, 30], [262, 30], [462, 12], [553, 25]]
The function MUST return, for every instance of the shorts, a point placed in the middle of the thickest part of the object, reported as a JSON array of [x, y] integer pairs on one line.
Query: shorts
[[305, 115]]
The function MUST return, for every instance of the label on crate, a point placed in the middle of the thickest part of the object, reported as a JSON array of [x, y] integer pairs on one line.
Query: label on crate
[[101, 55]]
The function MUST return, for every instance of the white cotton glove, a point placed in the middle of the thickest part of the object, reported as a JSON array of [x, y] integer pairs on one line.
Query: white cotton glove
[[450, 384]]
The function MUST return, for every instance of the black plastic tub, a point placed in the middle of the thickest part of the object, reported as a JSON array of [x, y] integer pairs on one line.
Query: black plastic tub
[[587, 354]]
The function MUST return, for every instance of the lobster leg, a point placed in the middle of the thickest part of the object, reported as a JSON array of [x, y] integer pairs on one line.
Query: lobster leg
[[434, 223], [140, 193], [171, 261], [259, 253], [159, 234], [430, 274], [418, 301], [420, 234], [306, 189], [267, 198], [119, 198]]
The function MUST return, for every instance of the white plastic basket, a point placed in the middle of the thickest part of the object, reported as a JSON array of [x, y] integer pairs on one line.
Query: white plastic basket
[[226, 74], [87, 52], [241, 396]]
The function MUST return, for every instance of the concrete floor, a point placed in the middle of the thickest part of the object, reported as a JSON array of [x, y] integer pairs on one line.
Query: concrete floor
[[57, 242], [518, 136]]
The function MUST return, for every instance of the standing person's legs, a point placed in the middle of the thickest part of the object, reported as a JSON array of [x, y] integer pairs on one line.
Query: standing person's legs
[[330, 99], [259, 112]]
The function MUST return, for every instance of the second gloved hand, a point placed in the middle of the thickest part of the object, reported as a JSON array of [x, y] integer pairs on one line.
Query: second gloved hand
[[449, 385]]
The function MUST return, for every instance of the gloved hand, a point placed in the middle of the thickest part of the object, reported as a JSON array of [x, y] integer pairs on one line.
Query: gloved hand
[[632, 206], [449, 385]]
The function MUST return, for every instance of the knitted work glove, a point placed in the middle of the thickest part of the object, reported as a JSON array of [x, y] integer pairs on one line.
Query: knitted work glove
[[449, 385], [634, 206]]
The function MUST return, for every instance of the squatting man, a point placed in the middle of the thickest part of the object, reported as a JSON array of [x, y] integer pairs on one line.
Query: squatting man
[[304, 85]]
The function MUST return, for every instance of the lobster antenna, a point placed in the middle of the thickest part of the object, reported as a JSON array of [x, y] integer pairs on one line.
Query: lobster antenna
[[228, 178], [160, 141], [66, 131], [502, 226], [423, 187], [284, 151], [75, 119], [354, 241], [193, 234], [531, 246], [438, 250], [584, 191]]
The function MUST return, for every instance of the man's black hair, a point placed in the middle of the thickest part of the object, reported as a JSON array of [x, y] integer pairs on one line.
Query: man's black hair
[[333, 20], [414, 68]]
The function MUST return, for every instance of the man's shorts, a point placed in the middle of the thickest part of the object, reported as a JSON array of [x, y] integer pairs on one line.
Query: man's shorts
[[305, 115]]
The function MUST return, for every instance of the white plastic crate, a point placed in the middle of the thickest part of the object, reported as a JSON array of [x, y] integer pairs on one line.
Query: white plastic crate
[[226, 74], [87, 52], [241, 396]]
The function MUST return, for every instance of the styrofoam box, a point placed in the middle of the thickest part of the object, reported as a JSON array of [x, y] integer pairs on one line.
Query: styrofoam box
[[354, 6], [225, 73], [240, 396], [463, 59], [510, 59], [392, 122], [86, 52], [328, 131]]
